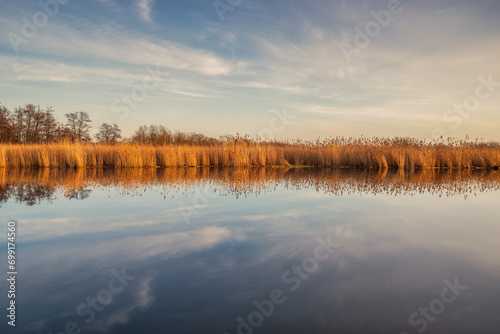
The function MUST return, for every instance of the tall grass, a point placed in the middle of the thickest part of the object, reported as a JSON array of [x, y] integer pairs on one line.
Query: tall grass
[[355, 153]]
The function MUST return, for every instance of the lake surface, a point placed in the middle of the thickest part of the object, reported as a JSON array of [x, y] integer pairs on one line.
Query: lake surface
[[254, 250]]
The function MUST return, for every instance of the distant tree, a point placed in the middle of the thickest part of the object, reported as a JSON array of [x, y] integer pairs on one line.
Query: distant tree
[[78, 124], [159, 135], [28, 124], [179, 138], [19, 121], [31, 124], [63, 133], [48, 126], [108, 134], [141, 135], [6, 126]]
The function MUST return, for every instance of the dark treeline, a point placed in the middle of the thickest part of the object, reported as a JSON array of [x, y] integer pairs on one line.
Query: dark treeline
[[33, 125], [159, 135]]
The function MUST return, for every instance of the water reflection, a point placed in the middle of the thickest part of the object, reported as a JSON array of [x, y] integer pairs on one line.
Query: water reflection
[[398, 242], [32, 186]]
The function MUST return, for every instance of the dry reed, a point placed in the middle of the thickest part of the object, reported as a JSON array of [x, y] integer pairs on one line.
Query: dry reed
[[358, 153]]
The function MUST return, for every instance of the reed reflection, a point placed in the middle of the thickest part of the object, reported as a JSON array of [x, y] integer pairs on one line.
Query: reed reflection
[[33, 186]]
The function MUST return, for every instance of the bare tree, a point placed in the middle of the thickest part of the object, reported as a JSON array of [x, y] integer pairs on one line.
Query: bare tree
[[6, 127], [19, 124], [141, 135], [159, 135], [108, 134], [26, 123], [48, 126], [31, 124], [62, 132], [79, 126]]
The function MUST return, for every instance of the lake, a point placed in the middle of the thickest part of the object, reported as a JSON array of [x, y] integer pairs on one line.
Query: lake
[[262, 250]]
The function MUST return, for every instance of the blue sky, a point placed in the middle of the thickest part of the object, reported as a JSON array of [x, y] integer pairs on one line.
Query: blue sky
[[416, 73]]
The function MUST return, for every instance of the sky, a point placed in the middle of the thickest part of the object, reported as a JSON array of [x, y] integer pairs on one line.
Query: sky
[[279, 69]]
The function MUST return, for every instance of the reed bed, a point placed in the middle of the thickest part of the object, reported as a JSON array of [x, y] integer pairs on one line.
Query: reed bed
[[341, 153]]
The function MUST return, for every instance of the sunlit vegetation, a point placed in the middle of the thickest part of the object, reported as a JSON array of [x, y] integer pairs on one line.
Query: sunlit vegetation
[[339, 153], [31, 137]]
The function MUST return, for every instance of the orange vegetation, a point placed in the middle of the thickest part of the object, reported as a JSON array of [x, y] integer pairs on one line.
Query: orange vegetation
[[358, 153]]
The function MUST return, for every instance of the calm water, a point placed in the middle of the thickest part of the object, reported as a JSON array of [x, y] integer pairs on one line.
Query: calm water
[[254, 251]]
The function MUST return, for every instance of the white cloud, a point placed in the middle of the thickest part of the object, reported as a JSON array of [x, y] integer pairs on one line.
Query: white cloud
[[93, 44], [143, 299], [403, 76], [145, 9]]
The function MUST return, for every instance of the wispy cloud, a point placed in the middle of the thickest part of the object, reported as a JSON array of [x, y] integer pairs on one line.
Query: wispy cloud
[[145, 9], [271, 55], [114, 44]]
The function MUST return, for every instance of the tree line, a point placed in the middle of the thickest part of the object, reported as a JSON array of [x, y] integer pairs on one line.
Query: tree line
[[31, 124]]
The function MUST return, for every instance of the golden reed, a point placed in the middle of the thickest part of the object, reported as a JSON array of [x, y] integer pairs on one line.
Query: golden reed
[[359, 153]]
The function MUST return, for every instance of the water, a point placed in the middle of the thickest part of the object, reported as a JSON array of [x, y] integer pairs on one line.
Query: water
[[254, 251]]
